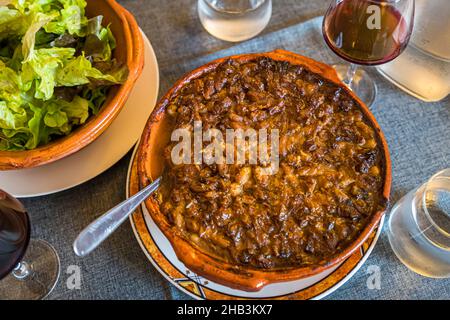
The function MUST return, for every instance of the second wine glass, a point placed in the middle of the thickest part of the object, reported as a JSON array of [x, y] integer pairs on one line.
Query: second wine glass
[[367, 32]]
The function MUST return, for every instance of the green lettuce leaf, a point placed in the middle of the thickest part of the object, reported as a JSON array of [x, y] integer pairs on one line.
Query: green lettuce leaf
[[40, 122], [61, 112], [71, 18], [77, 110], [42, 68], [79, 71], [34, 127], [12, 23], [12, 114], [9, 84], [9, 118], [95, 97], [33, 6], [29, 39]]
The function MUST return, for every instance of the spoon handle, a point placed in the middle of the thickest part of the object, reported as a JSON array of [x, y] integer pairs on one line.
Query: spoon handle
[[100, 229]]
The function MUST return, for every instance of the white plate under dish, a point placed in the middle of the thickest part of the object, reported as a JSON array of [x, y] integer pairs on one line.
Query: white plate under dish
[[160, 253], [101, 154]]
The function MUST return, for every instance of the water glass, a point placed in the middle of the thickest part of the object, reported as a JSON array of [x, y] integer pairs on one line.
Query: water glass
[[234, 20], [419, 227]]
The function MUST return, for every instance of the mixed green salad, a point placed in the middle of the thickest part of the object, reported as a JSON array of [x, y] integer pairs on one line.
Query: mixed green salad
[[56, 67]]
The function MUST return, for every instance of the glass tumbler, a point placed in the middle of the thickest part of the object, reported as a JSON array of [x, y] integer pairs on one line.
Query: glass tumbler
[[234, 20], [419, 227]]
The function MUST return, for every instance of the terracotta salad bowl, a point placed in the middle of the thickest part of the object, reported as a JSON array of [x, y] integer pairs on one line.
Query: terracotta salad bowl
[[129, 51]]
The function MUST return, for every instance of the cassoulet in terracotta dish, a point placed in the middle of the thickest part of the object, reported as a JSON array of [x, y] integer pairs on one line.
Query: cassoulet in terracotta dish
[[241, 224]]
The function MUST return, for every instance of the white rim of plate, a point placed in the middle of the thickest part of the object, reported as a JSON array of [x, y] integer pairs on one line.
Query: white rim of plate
[[179, 287]]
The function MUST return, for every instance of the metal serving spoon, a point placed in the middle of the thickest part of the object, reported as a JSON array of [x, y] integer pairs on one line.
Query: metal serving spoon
[[100, 229]]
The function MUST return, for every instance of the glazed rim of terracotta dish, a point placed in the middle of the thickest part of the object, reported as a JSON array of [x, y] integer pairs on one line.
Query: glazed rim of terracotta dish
[[150, 166], [129, 50]]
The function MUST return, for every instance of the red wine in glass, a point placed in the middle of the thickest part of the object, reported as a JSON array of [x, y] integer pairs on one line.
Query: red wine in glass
[[367, 32], [14, 233], [29, 269]]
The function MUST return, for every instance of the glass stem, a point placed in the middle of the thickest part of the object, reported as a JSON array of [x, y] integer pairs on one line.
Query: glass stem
[[350, 75], [22, 271]]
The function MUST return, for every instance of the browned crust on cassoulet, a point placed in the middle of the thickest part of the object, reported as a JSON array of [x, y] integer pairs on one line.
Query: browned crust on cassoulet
[[330, 178]]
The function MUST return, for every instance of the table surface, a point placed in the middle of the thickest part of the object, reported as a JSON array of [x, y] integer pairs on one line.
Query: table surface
[[120, 270]]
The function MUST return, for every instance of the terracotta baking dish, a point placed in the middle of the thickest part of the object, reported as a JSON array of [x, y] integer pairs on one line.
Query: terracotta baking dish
[[130, 50], [150, 166]]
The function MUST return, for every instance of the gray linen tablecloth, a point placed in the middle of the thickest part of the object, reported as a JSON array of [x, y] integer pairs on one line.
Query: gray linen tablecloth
[[418, 135]]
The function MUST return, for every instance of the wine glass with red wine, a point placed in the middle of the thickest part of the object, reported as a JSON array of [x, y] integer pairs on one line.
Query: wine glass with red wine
[[29, 269], [367, 32]]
